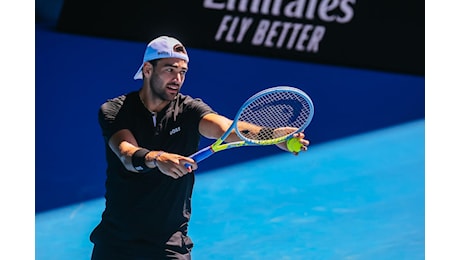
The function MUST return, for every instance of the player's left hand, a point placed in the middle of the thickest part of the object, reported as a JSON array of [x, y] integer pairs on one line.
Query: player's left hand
[[304, 144]]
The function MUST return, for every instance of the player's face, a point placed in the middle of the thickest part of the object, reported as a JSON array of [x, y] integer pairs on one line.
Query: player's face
[[168, 77]]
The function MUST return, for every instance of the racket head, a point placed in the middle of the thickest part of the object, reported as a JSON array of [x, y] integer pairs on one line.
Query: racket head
[[287, 109]]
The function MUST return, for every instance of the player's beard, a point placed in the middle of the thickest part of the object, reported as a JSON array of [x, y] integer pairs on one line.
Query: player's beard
[[159, 90]]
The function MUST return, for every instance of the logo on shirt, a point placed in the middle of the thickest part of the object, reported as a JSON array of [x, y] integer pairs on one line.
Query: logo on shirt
[[175, 130]]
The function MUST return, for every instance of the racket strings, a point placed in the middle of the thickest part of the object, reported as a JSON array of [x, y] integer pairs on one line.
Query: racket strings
[[281, 112]]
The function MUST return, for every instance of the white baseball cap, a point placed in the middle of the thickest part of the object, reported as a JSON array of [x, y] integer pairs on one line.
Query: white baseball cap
[[162, 47]]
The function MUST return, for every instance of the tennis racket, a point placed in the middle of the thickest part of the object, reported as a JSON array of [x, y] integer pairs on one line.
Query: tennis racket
[[269, 117]]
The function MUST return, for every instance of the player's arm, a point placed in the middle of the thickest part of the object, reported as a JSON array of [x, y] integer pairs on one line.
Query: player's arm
[[125, 146], [213, 126]]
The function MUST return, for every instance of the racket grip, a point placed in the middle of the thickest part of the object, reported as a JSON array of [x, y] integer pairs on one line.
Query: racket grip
[[201, 155]]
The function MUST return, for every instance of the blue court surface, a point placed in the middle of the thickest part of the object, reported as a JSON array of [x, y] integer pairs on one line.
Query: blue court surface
[[361, 197]]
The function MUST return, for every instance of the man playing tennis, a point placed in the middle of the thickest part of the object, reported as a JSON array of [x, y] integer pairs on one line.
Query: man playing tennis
[[149, 134]]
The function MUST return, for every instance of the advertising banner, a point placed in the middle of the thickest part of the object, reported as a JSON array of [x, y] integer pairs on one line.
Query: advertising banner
[[383, 35]]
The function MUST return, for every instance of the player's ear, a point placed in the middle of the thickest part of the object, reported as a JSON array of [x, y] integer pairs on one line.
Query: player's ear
[[147, 69]]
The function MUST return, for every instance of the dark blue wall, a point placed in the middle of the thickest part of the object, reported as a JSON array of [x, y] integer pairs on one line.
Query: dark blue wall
[[76, 74]]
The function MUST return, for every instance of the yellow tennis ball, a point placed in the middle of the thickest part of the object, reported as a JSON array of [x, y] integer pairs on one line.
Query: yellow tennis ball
[[294, 145]]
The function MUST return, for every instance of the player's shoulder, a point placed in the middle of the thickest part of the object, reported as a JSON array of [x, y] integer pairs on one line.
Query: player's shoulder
[[195, 105], [113, 105], [187, 99], [117, 101]]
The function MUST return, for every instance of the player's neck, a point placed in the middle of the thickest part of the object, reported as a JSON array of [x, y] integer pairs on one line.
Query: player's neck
[[151, 102]]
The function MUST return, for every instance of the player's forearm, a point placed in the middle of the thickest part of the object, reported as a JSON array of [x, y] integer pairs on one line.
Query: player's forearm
[[125, 153], [247, 129], [138, 159]]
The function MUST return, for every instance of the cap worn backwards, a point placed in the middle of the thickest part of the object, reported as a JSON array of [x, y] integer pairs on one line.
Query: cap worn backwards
[[162, 47]]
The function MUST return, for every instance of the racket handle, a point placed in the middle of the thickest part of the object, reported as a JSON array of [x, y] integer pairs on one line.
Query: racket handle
[[201, 155]]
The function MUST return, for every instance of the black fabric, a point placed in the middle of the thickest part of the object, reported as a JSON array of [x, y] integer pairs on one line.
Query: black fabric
[[143, 211], [178, 247]]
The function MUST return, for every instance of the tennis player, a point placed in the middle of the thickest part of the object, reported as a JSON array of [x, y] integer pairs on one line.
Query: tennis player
[[148, 134]]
